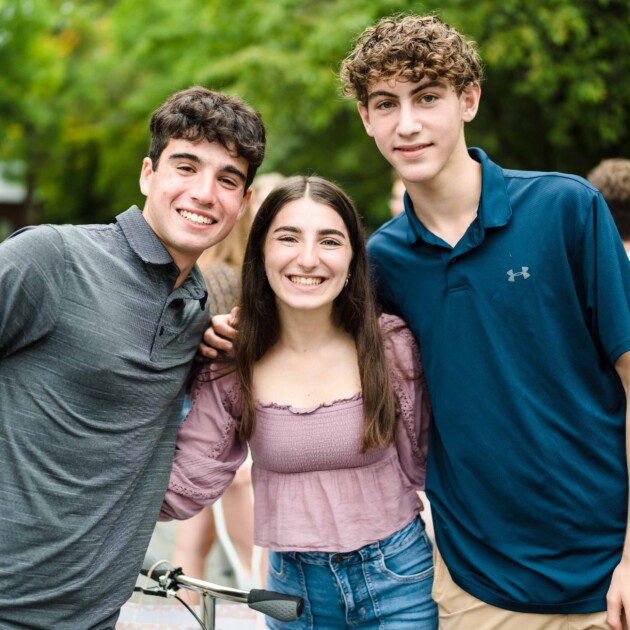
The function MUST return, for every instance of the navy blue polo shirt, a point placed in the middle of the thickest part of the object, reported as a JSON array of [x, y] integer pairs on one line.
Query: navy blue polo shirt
[[520, 325]]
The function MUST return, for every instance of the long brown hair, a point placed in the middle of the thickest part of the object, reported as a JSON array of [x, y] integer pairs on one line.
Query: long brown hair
[[354, 310]]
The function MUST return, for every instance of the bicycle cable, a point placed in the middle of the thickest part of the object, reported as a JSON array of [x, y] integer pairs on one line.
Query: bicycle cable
[[161, 593]]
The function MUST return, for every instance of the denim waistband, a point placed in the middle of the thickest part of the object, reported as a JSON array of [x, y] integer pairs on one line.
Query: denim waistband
[[393, 543]]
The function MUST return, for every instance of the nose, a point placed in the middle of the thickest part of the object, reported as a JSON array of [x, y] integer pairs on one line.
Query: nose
[[308, 256], [409, 121], [204, 190]]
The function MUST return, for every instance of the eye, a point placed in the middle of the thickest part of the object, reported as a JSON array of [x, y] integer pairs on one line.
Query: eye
[[287, 238], [229, 182], [385, 105], [185, 168], [429, 98], [331, 242]]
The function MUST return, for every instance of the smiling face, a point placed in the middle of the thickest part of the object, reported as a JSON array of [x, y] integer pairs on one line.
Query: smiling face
[[194, 197], [307, 255], [419, 126]]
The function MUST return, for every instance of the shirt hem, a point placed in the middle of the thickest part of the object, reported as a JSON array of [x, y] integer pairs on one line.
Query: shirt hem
[[584, 606]]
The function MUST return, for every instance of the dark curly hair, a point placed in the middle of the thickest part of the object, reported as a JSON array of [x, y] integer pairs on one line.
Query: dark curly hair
[[409, 48], [198, 113]]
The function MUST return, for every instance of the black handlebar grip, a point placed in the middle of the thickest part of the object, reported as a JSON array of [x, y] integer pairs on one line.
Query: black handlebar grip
[[276, 605], [160, 567]]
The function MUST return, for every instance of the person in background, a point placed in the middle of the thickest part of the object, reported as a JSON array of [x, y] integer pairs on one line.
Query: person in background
[[330, 399], [221, 268], [99, 325], [263, 185], [612, 177]]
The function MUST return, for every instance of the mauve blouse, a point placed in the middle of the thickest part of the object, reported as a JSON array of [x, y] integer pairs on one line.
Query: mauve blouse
[[313, 490]]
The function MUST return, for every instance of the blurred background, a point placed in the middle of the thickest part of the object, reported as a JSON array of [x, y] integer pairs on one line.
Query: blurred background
[[79, 80]]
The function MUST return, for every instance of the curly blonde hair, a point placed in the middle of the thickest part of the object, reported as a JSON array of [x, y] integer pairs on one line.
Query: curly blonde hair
[[410, 48]]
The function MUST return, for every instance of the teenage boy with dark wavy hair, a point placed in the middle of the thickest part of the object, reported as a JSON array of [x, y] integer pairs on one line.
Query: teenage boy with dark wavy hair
[[98, 328], [517, 287]]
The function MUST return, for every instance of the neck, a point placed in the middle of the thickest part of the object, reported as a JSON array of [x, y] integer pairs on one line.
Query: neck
[[307, 331], [447, 205], [183, 273]]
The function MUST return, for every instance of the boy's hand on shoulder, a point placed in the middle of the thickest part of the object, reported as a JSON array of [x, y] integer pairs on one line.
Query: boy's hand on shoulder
[[218, 337]]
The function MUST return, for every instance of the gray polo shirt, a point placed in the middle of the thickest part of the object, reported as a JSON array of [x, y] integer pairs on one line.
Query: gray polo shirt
[[95, 346]]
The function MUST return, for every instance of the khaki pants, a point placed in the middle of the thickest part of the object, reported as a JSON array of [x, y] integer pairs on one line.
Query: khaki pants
[[460, 611]]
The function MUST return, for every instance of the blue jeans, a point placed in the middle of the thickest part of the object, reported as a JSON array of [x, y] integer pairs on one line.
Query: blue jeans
[[385, 585]]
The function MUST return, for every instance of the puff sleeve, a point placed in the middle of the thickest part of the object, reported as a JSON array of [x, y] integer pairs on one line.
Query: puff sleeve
[[413, 404], [208, 451]]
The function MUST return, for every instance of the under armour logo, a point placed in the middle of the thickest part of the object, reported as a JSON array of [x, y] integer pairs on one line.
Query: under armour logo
[[523, 272]]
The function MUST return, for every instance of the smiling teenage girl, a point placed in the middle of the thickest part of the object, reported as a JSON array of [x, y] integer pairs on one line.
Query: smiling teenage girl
[[331, 400]]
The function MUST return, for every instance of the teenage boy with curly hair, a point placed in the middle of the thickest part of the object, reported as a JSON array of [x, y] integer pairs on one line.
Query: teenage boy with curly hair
[[517, 287]]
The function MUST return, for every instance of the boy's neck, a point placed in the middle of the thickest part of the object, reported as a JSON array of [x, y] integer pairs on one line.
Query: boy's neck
[[447, 206]]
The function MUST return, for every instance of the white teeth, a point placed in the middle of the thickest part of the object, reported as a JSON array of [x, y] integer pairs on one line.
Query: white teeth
[[305, 281], [195, 218]]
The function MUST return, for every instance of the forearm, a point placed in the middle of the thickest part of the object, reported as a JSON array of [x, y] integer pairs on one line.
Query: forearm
[[198, 482], [618, 596]]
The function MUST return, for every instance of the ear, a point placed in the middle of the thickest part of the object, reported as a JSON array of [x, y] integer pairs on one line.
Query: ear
[[365, 117], [246, 200], [470, 101], [145, 175]]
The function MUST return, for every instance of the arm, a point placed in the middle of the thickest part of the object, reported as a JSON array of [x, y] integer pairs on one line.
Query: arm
[[32, 274], [410, 389], [208, 451], [618, 597]]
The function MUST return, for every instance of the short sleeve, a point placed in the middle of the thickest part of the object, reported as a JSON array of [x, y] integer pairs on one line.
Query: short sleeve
[[208, 451], [607, 278], [413, 404], [32, 278]]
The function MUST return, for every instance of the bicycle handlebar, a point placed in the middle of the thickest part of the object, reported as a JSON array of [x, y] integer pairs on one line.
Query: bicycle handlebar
[[276, 605], [155, 568]]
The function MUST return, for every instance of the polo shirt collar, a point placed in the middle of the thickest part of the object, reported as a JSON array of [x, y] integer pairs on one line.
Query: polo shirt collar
[[141, 238], [148, 247], [494, 205]]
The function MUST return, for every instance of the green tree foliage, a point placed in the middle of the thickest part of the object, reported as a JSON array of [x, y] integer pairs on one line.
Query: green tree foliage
[[80, 80]]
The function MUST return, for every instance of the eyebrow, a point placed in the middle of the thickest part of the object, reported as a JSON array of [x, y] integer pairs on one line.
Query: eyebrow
[[296, 230], [228, 168], [419, 88]]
